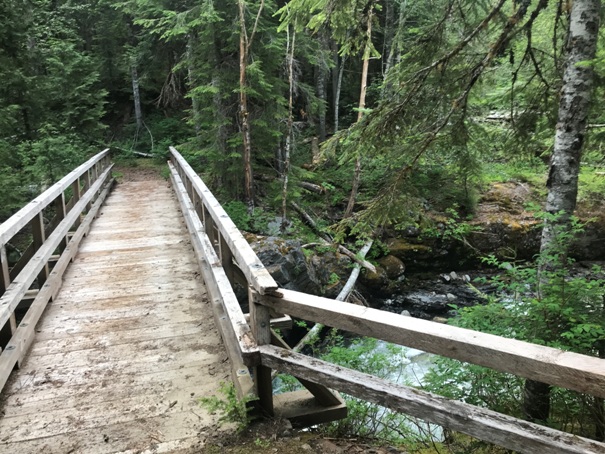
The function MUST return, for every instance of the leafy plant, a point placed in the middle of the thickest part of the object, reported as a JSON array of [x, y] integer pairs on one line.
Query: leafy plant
[[365, 419], [543, 303], [233, 409]]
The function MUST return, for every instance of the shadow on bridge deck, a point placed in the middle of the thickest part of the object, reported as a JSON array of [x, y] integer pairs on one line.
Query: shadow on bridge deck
[[122, 355]]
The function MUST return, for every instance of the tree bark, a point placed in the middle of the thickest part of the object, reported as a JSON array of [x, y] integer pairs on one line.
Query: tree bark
[[341, 71], [138, 115], [564, 170], [362, 105], [286, 161], [195, 109], [321, 87], [243, 108]]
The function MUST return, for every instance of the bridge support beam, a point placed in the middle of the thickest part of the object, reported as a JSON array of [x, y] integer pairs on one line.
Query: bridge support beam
[[260, 321]]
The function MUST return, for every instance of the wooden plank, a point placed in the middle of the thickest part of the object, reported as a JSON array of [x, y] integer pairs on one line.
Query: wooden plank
[[478, 422], [136, 387], [260, 322], [61, 211], [37, 390], [548, 365], [284, 322], [39, 236], [158, 435], [5, 278], [11, 226], [125, 334], [252, 267], [13, 295], [24, 333]]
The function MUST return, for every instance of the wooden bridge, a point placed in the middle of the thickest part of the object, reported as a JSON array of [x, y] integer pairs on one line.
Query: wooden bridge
[[121, 314]]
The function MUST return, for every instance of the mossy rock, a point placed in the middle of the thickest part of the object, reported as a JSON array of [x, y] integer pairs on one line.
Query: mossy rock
[[378, 280], [405, 251], [393, 266]]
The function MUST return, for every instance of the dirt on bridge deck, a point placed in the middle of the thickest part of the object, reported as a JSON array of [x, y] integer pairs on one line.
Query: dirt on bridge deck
[[128, 347]]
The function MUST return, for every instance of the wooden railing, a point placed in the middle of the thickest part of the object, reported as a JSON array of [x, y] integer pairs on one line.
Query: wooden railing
[[55, 225], [224, 253]]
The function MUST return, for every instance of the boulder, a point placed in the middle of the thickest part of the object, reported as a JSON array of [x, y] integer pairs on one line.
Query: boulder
[[286, 262], [393, 266], [377, 282]]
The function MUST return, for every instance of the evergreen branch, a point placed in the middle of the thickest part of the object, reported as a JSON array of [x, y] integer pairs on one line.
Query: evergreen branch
[[462, 44]]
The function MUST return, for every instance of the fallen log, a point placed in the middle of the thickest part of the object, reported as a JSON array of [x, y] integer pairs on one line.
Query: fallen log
[[312, 187], [328, 240], [342, 296]]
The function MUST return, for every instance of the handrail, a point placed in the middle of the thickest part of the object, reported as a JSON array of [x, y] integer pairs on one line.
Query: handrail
[[246, 259], [89, 184], [566, 369], [570, 370], [229, 318], [21, 218]]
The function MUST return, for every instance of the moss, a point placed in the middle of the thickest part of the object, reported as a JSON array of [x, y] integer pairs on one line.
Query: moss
[[393, 266], [399, 247]]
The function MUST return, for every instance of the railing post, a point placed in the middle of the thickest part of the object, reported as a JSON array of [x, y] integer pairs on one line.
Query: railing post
[[260, 323], [226, 257], [39, 236], [87, 181], [6, 332], [76, 194], [60, 212]]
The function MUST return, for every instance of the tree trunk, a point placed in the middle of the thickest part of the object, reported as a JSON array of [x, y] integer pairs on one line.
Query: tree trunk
[[286, 162], [243, 109], [321, 89], [389, 32], [195, 109], [565, 161], [341, 71], [342, 296], [335, 72], [362, 105], [392, 56], [138, 115]]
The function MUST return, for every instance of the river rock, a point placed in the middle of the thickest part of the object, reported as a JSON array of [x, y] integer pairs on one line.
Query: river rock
[[377, 282], [392, 265], [427, 302], [285, 261]]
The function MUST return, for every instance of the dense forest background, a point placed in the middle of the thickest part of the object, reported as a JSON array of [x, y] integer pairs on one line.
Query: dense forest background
[[363, 114], [251, 90]]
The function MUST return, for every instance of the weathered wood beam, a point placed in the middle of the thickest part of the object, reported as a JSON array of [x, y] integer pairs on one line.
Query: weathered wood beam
[[556, 367], [478, 422], [247, 260]]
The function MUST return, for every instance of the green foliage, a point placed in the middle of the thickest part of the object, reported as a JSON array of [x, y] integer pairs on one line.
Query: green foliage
[[233, 410], [364, 419], [452, 228], [238, 212], [542, 303]]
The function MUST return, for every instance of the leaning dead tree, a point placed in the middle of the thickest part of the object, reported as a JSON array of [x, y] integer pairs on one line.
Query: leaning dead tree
[[342, 296]]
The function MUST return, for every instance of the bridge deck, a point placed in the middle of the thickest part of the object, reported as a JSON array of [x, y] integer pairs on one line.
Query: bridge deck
[[129, 345]]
